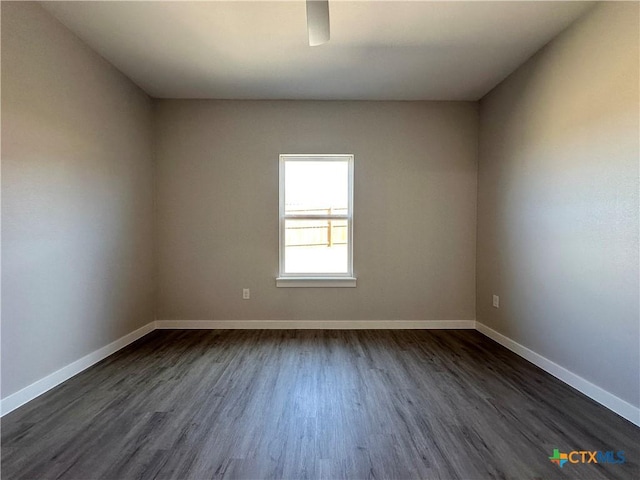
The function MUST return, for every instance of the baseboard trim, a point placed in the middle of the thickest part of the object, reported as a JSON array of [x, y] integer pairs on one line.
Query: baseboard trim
[[607, 399], [54, 379], [317, 324]]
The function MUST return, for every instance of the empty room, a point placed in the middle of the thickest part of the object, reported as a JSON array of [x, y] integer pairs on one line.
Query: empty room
[[320, 240]]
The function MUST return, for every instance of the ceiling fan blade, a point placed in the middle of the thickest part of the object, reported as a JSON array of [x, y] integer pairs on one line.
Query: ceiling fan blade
[[318, 21]]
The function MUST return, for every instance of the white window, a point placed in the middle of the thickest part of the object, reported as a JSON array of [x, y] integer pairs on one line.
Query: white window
[[316, 221]]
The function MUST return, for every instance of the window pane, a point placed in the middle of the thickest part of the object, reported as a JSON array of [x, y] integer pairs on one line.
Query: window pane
[[316, 188], [316, 246]]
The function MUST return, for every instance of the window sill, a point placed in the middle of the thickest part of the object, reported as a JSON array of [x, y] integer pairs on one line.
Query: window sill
[[313, 282]]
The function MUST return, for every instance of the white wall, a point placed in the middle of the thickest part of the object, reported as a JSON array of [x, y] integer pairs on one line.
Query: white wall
[[415, 208], [77, 199], [558, 202]]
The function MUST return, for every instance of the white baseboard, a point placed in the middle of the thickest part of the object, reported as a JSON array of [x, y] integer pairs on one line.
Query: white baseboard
[[54, 379], [317, 324], [609, 400], [612, 402]]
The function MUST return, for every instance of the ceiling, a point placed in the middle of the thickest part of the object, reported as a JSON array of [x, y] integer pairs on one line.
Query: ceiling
[[379, 50]]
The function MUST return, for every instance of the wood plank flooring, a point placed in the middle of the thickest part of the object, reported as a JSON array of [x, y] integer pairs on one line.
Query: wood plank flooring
[[302, 404]]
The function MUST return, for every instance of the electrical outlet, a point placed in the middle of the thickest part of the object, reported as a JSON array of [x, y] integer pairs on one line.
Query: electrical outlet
[[496, 301], [246, 293]]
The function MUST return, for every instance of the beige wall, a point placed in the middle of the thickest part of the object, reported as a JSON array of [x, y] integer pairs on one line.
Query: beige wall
[[415, 208], [558, 202], [77, 199]]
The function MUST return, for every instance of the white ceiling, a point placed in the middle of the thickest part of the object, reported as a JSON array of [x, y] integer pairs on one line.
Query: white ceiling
[[379, 50]]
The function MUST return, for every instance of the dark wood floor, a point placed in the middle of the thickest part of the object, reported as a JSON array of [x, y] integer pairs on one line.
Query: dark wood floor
[[312, 404]]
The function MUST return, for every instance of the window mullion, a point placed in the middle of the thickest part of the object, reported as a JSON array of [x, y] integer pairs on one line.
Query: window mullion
[[317, 217]]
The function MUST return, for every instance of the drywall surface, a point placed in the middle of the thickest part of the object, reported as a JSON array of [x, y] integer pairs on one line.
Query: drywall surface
[[414, 208], [77, 199], [558, 202]]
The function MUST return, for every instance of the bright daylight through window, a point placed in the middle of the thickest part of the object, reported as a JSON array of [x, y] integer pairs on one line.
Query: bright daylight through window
[[316, 221]]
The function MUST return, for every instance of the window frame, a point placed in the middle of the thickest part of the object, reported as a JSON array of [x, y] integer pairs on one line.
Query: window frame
[[315, 279]]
